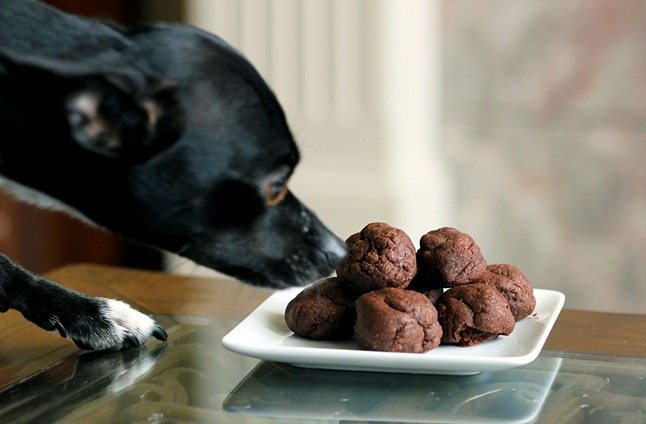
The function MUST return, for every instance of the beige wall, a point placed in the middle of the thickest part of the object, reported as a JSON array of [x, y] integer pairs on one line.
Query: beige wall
[[532, 138], [354, 78], [545, 133]]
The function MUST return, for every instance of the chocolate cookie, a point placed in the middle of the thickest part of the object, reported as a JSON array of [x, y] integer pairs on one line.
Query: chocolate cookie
[[324, 310], [473, 313], [448, 258], [512, 284], [396, 320], [378, 256]]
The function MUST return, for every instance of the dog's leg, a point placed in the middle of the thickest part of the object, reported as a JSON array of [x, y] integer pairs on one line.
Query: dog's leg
[[92, 323]]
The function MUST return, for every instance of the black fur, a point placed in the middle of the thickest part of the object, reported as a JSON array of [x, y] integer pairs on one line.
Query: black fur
[[164, 134]]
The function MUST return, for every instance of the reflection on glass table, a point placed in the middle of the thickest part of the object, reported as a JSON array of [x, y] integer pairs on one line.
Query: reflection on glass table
[[194, 379], [283, 391]]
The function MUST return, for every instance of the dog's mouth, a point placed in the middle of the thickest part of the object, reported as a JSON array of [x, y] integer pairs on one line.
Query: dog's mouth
[[274, 281], [297, 269]]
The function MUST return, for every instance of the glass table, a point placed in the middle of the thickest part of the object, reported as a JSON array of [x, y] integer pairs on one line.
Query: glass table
[[591, 370], [193, 379]]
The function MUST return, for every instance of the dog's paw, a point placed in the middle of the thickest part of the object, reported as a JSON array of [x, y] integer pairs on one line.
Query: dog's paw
[[116, 326]]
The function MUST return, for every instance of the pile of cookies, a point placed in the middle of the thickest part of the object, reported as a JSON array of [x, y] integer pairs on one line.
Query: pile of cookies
[[392, 297]]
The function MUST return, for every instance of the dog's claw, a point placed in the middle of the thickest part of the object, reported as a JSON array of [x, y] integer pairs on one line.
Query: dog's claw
[[61, 329], [159, 333], [55, 324]]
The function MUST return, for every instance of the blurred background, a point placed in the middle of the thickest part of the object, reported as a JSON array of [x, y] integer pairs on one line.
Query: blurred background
[[522, 123]]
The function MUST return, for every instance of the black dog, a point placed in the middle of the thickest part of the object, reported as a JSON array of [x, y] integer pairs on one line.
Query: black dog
[[164, 134]]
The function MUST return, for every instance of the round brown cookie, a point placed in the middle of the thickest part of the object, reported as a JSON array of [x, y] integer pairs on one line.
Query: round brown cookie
[[396, 320], [419, 285], [512, 284], [378, 256], [448, 258], [324, 310], [473, 313]]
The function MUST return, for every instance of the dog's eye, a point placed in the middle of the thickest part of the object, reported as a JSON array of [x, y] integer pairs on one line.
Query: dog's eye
[[275, 191]]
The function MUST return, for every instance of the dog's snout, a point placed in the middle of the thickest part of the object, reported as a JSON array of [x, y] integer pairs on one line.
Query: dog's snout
[[335, 250]]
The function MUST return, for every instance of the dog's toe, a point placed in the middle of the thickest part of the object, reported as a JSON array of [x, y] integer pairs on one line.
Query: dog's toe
[[131, 341], [81, 344]]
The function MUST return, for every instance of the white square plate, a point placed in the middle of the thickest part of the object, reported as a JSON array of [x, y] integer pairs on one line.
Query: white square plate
[[264, 334]]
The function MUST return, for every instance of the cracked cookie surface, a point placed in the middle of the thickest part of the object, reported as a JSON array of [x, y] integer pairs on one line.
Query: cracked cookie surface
[[448, 258], [324, 310], [379, 256], [513, 285], [396, 320], [473, 313]]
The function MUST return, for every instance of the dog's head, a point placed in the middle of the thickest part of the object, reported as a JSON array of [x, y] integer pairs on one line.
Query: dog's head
[[176, 141]]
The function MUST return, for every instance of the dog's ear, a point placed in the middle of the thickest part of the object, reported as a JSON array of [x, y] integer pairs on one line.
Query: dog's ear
[[110, 121], [111, 110]]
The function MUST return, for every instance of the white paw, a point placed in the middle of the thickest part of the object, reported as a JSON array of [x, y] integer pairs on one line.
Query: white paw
[[118, 326]]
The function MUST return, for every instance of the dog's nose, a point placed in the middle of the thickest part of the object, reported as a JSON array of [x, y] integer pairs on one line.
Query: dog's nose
[[335, 250]]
